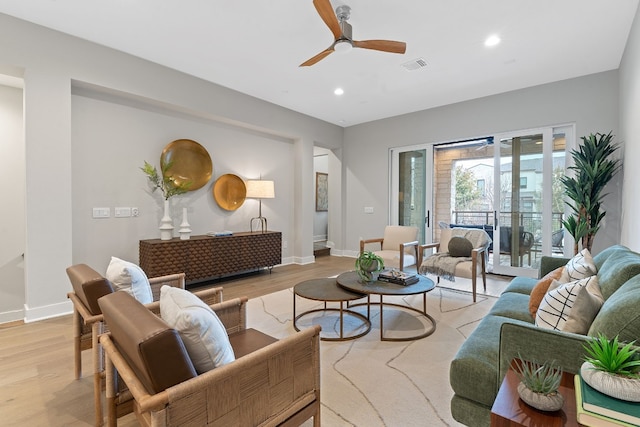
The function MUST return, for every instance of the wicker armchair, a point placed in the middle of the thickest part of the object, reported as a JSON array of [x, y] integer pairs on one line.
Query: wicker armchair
[[88, 286], [271, 382]]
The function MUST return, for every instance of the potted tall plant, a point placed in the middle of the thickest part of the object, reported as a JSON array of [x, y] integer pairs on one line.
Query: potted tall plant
[[594, 168]]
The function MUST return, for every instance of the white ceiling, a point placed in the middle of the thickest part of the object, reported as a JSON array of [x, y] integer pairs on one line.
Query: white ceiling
[[255, 46]]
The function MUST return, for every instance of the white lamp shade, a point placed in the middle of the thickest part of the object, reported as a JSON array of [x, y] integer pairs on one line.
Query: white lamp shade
[[260, 189]]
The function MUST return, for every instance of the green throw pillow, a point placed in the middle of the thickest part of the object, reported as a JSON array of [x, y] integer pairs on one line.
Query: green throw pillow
[[459, 246]]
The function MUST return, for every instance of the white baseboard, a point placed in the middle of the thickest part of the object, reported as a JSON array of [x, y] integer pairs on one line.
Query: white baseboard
[[11, 316], [304, 260], [47, 311]]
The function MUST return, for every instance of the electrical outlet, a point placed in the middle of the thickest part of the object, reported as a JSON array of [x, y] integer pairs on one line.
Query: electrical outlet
[[121, 212], [368, 209], [135, 212]]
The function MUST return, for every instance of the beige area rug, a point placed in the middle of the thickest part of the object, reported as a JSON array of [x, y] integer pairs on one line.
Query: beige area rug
[[366, 382]]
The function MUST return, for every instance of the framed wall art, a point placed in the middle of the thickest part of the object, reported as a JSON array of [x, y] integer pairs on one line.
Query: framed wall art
[[322, 192]]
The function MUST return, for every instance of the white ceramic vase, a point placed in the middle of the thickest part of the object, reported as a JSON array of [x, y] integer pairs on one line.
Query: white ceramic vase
[[543, 402], [166, 223], [612, 385], [185, 228]]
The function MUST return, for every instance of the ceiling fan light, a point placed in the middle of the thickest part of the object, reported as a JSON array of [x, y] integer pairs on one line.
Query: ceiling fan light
[[342, 46]]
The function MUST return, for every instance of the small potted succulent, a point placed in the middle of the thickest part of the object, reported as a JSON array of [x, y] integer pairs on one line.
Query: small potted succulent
[[612, 368], [539, 385], [368, 266]]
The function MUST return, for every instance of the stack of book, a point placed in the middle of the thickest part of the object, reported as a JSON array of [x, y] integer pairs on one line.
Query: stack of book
[[595, 409], [220, 233], [398, 277]]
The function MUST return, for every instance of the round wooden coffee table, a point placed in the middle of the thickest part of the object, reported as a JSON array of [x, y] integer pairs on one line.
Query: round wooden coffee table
[[327, 290], [351, 282]]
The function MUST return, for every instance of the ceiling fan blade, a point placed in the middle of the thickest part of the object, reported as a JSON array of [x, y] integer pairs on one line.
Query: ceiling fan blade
[[383, 45], [325, 10], [317, 58]]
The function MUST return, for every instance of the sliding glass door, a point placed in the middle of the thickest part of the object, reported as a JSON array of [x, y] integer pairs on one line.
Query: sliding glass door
[[529, 208], [411, 189], [508, 184]]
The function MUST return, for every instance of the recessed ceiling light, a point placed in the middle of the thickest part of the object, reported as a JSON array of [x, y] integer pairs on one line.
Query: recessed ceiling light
[[492, 41], [339, 91]]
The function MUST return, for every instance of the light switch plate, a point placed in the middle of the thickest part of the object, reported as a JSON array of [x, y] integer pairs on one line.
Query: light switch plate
[[101, 212]]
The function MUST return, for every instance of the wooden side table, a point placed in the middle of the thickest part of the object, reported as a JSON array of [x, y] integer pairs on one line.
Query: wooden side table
[[509, 410]]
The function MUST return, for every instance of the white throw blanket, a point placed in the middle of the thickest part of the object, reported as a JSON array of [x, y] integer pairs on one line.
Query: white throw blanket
[[443, 265]]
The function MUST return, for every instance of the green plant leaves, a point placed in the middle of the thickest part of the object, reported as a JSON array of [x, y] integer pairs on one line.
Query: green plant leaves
[[166, 183], [540, 378], [593, 170], [609, 355], [364, 263]]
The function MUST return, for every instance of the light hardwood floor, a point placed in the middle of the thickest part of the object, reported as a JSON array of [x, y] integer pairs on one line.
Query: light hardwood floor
[[37, 387]]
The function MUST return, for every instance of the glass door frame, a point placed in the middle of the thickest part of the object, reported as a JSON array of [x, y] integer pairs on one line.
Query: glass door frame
[[425, 228], [547, 165]]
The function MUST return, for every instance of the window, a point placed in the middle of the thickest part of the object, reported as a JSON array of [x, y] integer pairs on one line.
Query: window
[[481, 187], [523, 182]]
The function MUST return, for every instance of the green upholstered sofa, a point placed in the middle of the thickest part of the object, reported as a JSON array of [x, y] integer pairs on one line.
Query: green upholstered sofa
[[478, 368]]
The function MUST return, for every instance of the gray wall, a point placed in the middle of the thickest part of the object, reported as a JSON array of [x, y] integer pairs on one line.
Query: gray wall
[[630, 134], [74, 88], [12, 224], [66, 157], [321, 219], [110, 142], [590, 102]]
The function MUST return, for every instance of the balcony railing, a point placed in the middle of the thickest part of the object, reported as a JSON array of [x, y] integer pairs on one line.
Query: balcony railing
[[531, 221]]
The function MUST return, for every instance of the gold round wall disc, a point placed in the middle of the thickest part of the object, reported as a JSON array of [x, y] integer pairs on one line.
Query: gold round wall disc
[[229, 191], [190, 162]]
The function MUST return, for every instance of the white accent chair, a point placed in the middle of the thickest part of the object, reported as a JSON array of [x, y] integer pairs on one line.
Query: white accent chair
[[440, 263], [398, 248]]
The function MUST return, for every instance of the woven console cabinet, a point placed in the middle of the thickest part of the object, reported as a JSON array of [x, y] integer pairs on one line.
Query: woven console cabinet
[[206, 257]]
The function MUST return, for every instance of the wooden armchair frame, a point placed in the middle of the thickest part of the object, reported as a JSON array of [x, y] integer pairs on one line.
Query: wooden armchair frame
[[476, 254], [87, 328], [402, 248], [277, 385]]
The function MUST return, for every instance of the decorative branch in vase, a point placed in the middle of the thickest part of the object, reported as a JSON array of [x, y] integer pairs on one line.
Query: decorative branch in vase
[[169, 187], [167, 183]]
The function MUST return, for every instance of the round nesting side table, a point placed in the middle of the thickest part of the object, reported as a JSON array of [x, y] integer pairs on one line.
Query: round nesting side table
[[327, 290], [351, 282]]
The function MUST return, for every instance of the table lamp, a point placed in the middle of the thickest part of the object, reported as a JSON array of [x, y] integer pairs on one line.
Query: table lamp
[[260, 189]]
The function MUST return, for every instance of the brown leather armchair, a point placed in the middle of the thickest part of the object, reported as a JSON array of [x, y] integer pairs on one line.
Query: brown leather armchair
[[270, 383], [89, 286]]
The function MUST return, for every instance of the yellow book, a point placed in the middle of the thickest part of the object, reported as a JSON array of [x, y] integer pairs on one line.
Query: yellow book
[[591, 419]]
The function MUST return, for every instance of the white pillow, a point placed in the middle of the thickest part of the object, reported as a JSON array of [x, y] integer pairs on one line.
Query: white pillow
[[579, 267], [202, 332], [126, 276], [570, 307]]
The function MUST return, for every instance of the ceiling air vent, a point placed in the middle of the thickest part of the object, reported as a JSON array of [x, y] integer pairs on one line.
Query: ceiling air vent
[[415, 64]]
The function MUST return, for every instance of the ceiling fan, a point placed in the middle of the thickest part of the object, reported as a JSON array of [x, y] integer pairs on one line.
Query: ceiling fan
[[341, 30]]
